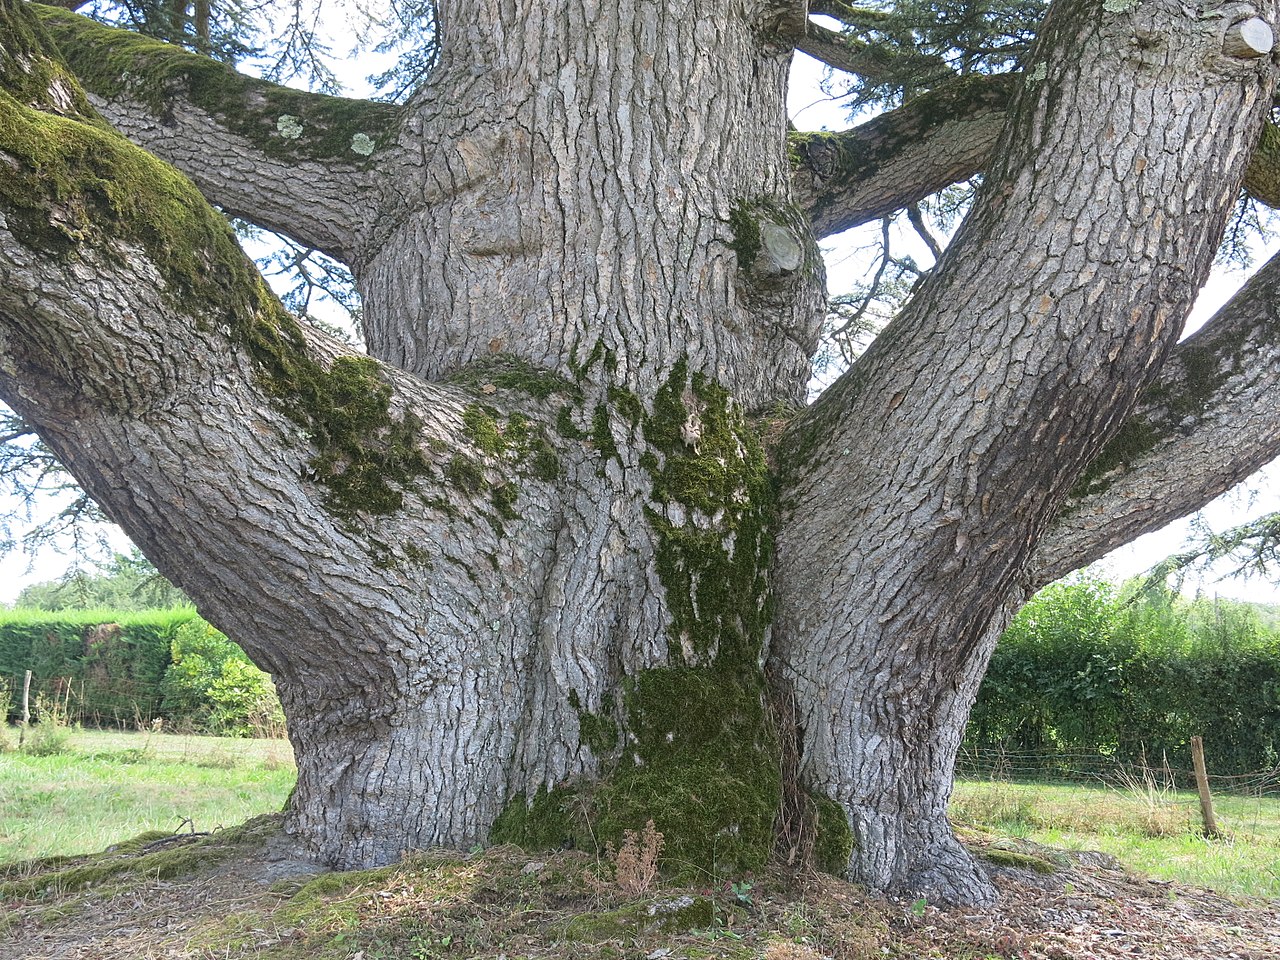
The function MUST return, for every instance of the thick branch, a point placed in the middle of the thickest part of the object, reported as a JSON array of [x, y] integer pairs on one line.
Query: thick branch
[[870, 60], [140, 343], [299, 163], [846, 14], [978, 407], [1207, 423], [937, 139], [843, 53], [942, 137]]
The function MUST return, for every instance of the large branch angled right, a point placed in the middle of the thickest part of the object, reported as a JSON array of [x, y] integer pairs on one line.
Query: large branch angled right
[[1206, 424], [300, 163]]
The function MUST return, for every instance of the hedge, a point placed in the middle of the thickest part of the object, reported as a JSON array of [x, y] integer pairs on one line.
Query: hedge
[[113, 662], [1084, 670]]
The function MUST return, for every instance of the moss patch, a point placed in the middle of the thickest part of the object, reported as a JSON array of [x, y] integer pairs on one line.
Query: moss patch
[[746, 234], [699, 753], [132, 861], [833, 843], [667, 915], [283, 123], [1136, 437], [598, 731], [76, 184], [27, 71], [546, 822], [515, 375], [1019, 861], [714, 567]]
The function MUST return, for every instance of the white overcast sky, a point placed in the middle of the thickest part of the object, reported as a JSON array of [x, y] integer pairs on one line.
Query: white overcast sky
[[811, 110]]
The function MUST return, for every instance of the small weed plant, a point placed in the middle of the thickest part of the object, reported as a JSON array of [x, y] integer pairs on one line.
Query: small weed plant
[[635, 863], [50, 736]]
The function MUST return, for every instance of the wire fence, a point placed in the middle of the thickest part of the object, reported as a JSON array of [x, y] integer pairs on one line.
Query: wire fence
[[1082, 767], [111, 703]]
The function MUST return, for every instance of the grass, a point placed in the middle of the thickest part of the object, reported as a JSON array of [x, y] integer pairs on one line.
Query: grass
[[109, 786], [1153, 831]]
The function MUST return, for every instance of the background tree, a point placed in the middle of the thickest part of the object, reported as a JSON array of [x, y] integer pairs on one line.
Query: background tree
[[125, 582], [523, 565]]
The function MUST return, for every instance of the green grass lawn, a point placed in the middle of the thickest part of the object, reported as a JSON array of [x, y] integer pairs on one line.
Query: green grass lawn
[[105, 787], [1153, 831]]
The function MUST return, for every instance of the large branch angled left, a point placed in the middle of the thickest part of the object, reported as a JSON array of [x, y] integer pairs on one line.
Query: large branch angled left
[[300, 163], [220, 433], [944, 136]]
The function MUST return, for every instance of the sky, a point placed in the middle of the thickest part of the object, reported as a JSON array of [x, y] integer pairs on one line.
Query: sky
[[811, 109]]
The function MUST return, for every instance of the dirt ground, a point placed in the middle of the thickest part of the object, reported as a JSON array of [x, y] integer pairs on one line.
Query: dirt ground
[[247, 893]]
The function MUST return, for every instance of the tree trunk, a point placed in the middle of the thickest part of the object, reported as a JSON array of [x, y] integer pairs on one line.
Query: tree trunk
[[978, 407], [592, 240], [513, 575]]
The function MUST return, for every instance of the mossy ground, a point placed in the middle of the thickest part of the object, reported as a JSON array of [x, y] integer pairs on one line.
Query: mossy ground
[[506, 902]]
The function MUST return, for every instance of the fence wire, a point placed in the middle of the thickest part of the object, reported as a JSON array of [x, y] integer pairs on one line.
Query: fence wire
[[1083, 767]]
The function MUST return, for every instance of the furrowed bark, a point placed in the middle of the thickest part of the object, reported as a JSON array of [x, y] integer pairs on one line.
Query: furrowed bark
[[1042, 327], [1204, 425], [942, 137], [527, 607], [328, 513], [945, 136], [313, 167], [544, 212]]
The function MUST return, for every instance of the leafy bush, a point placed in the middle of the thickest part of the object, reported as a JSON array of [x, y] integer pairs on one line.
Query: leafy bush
[[130, 668], [1083, 669], [212, 685]]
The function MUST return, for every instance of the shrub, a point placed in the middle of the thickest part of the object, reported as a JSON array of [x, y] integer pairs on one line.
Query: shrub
[[113, 661], [212, 685]]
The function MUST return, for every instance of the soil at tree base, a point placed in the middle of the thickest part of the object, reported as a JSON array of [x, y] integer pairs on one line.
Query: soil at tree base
[[246, 892]]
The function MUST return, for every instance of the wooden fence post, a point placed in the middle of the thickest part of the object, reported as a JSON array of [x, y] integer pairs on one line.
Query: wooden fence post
[[1202, 785], [26, 710]]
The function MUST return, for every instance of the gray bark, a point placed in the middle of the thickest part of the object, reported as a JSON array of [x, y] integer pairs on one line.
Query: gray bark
[[563, 207], [582, 259], [280, 158], [1043, 322], [1208, 421]]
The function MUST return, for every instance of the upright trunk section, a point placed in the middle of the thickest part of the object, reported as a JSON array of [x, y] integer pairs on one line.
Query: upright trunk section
[[589, 244], [953, 443]]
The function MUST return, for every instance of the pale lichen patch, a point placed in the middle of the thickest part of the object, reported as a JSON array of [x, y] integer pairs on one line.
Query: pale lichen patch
[[289, 126]]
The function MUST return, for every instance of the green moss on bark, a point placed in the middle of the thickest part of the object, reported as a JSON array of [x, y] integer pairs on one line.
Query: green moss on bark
[[702, 763], [513, 374], [833, 843], [515, 438], [598, 731], [745, 225], [700, 754], [545, 822], [27, 71], [1136, 437], [109, 62], [77, 185]]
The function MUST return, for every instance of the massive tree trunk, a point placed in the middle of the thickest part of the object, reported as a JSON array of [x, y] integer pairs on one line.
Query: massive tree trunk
[[513, 572]]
